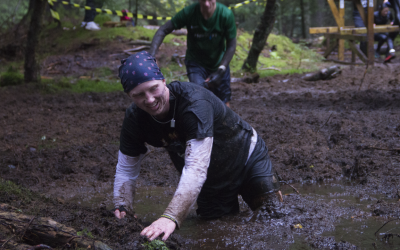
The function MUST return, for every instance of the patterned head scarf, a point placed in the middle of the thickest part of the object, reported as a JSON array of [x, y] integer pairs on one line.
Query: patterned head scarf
[[138, 68]]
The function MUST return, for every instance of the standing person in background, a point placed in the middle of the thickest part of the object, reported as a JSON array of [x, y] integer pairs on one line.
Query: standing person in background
[[211, 44], [88, 21], [381, 17], [359, 23]]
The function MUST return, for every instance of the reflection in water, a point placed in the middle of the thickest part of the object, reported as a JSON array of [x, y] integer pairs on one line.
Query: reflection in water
[[150, 203]]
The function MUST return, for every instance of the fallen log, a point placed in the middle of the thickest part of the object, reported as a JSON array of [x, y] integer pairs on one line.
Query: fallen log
[[42, 230], [137, 49], [323, 74], [140, 42]]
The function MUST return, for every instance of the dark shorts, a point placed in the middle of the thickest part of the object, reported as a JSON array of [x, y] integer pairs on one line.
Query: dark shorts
[[197, 74], [259, 180]]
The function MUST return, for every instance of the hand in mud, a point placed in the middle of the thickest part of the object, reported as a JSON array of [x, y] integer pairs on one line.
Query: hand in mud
[[162, 225], [119, 215], [214, 79]]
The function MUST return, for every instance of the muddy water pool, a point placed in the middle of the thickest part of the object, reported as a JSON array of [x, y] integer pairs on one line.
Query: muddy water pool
[[342, 216]]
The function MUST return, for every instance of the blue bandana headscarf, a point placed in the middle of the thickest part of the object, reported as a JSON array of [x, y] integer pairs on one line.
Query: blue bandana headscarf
[[138, 68]]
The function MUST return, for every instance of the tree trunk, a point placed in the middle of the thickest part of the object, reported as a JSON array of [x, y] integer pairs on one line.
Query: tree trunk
[[261, 33], [293, 20], [303, 22], [31, 66]]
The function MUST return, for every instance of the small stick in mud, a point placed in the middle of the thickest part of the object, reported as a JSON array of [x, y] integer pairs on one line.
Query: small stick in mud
[[362, 80], [285, 183], [27, 226], [386, 149], [384, 225], [41, 246], [325, 122], [109, 153]]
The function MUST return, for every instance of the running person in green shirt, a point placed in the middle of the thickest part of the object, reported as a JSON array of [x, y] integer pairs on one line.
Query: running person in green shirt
[[211, 44]]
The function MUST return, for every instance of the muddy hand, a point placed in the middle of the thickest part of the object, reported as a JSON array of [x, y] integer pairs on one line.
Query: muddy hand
[[162, 225], [119, 215], [214, 79]]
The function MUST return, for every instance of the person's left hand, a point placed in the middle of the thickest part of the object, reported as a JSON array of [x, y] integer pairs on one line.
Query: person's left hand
[[214, 79], [162, 225]]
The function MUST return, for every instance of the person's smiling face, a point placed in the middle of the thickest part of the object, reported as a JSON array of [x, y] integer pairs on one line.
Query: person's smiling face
[[152, 97]]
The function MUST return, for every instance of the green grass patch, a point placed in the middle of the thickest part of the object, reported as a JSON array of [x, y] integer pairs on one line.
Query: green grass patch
[[11, 77], [286, 57], [155, 245], [102, 18], [12, 190], [74, 37], [81, 85], [85, 232]]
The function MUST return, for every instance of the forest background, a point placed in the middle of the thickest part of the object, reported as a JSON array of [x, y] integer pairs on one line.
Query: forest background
[[293, 18]]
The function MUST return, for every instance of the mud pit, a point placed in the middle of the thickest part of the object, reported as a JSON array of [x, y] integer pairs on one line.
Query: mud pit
[[342, 141]]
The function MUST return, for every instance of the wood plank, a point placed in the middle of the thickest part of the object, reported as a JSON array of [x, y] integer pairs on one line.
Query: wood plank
[[327, 30], [347, 37], [358, 52], [370, 33], [331, 48], [342, 62], [377, 29], [341, 24]]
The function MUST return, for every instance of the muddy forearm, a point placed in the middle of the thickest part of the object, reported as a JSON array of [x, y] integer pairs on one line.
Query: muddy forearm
[[128, 169], [158, 38], [230, 51], [194, 174]]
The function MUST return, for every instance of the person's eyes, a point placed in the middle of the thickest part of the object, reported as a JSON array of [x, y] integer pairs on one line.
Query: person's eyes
[[154, 88]]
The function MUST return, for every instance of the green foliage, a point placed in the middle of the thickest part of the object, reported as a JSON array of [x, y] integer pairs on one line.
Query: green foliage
[[12, 12], [8, 188], [72, 38], [81, 85], [155, 245], [287, 55], [102, 18], [11, 77], [103, 71], [85, 232]]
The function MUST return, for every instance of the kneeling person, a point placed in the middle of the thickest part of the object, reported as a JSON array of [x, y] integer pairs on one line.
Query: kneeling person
[[218, 154]]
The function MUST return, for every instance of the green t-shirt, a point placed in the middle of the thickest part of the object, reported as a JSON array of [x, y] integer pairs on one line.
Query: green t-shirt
[[206, 39]]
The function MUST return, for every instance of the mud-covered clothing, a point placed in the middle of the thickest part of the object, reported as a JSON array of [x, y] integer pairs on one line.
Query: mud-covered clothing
[[200, 115], [198, 74], [206, 39]]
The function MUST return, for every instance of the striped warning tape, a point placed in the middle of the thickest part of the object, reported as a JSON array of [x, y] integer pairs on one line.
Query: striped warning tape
[[56, 16], [241, 4]]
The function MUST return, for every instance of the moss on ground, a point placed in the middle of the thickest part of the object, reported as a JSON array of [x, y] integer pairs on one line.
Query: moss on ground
[[10, 190], [286, 56], [11, 77], [81, 85]]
